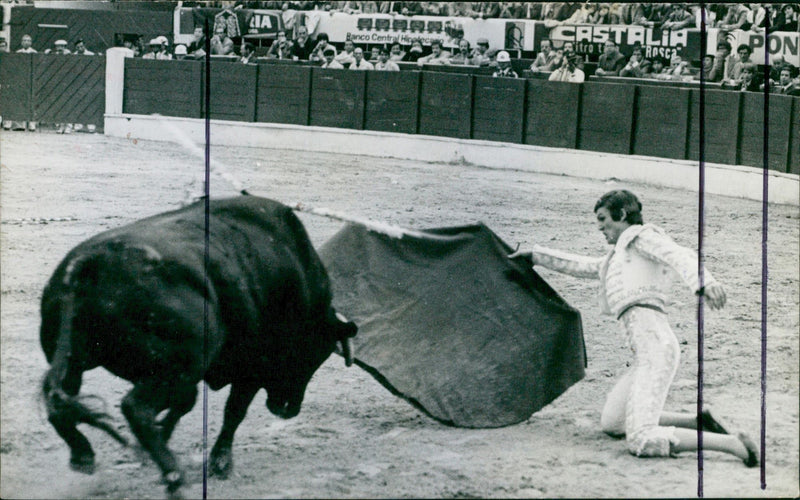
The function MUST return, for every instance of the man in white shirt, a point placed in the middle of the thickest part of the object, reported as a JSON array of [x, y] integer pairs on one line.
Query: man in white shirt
[[359, 62], [330, 61]]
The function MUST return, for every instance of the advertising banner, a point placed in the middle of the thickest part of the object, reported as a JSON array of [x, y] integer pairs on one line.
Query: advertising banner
[[783, 45], [590, 39], [388, 29]]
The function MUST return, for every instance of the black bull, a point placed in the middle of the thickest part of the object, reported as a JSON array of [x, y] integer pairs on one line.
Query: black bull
[[146, 302]]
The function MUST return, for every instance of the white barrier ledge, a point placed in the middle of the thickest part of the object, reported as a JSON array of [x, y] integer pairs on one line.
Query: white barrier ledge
[[727, 180]]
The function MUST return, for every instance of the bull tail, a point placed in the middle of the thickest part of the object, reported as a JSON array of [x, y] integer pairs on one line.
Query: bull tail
[[65, 371]]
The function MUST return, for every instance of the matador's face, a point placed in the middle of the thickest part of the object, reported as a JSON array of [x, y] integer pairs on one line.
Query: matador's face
[[610, 228]]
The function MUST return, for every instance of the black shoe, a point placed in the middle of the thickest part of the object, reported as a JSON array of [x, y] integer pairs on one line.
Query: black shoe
[[752, 450], [710, 424]]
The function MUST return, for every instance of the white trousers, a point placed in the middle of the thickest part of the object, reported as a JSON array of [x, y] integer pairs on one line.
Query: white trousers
[[634, 405]]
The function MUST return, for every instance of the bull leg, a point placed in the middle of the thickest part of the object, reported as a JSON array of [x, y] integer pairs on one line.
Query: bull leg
[[140, 407], [239, 400], [181, 403], [64, 421]]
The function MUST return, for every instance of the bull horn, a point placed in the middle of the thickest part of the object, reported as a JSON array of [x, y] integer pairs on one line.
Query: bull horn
[[347, 351]]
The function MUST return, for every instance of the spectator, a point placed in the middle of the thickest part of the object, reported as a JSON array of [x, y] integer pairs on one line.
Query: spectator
[[345, 57], [722, 61], [637, 66], [414, 53], [396, 53], [80, 49], [546, 59], [221, 43], [504, 66], [785, 85], [437, 55], [569, 72], [481, 56], [736, 18], [330, 59], [163, 49], [374, 54], [464, 54], [359, 63], [384, 64], [247, 53], [301, 45], [318, 54], [759, 17], [153, 47], [181, 52], [59, 47], [431, 8], [602, 15], [487, 10], [196, 48], [461, 9], [735, 70], [747, 81], [611, 61], [786, 19], [657, 66], [26, 45], [678, 70], [281, 48], [707, 65], [678, 18]]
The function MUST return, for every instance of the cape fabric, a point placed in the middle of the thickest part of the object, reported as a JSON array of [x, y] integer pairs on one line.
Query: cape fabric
[[448, 322]]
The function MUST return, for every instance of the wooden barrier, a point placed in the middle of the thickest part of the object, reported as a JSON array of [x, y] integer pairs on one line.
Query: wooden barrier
[[16, 75], [721, 126], [552, 113], [661, 127], [617, 118], [167, 87], [283, 94], [445, 106], [337, 98], [606, 118], [69, 89], [497, 113], [392, 101], [233, 91], [751, 144]]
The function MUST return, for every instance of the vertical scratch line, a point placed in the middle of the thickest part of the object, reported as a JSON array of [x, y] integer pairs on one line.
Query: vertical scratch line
[[764, 267], [207, 246], [700, 218]]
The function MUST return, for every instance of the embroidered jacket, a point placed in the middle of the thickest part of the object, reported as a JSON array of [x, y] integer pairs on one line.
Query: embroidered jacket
[[634, 271]]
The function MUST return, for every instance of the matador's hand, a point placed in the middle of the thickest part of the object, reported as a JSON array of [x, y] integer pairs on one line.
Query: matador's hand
[[715, 296]]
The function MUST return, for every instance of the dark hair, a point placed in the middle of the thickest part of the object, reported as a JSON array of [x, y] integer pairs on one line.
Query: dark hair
[[724, 44], [746, 47], [436, 42], [323, 36], [618, 200]]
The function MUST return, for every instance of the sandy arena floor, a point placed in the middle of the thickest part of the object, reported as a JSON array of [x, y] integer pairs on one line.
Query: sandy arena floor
[[353, 438]]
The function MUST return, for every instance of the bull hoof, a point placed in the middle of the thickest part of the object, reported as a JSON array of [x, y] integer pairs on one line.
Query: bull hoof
[[222, 465], [174, 482], [83, 464]]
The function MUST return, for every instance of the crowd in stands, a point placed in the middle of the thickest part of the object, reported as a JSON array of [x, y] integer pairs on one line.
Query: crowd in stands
[[756, 16]]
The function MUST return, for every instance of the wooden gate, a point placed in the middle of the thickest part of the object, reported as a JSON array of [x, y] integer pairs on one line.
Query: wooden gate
[[69, 88]]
